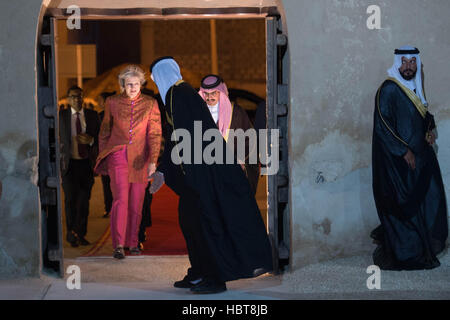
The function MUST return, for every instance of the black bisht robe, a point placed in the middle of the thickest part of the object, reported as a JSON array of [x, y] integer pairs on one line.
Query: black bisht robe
[[411, 204], [231, 225], [240, 120]]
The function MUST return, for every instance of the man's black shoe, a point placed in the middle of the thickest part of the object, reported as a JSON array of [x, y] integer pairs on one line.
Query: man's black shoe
[[83, 241], [209, 286], [186, 282], [72, 239], [74, 243]]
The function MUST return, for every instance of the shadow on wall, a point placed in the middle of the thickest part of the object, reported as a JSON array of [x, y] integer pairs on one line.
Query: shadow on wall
[[20, 162], [18, 172], [19, 207]]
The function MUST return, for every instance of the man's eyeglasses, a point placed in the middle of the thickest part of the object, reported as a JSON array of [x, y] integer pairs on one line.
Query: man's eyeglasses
[[212, 94]]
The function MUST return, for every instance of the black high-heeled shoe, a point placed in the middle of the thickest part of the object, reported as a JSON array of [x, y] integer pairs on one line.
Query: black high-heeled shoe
[[119, 253]]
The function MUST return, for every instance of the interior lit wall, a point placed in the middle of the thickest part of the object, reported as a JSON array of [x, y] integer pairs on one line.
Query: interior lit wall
[[105, 46], [240, 48]]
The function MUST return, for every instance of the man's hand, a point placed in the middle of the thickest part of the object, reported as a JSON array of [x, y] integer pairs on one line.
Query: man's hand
[[84, 138], [410, 159], [158, 181], [151, 169], [430, 137]]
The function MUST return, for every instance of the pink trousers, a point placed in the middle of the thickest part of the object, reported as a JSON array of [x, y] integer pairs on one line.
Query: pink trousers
[[128, 198]]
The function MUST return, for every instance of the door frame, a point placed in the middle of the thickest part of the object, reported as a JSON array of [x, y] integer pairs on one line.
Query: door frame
[[277, 116], [49, 157], [278, 213]]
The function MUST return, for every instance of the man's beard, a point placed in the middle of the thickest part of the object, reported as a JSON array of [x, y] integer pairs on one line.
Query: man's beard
[[409, 76]]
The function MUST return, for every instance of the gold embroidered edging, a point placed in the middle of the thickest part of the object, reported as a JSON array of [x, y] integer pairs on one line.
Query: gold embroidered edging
[[173, 126], [229, 124], [412, 96]]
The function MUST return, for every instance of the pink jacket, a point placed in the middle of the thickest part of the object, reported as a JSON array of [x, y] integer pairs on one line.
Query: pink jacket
[[134, 124]]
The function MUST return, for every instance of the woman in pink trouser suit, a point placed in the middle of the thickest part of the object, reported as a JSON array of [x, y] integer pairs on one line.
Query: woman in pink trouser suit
[[129, 143]]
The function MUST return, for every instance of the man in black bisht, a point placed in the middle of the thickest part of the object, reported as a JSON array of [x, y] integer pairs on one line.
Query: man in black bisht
[[407, 182], [218, 215]]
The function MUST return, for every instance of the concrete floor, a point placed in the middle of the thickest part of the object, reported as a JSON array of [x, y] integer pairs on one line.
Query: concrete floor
[[152, 277]]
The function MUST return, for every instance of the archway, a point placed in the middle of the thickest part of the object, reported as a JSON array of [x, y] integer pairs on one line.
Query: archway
[[276, 96]]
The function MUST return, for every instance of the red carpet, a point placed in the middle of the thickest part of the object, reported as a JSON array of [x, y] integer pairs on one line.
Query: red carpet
[[164, 237]]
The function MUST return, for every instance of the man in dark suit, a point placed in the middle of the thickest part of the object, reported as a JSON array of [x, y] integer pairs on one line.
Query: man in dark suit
[[78, 132]]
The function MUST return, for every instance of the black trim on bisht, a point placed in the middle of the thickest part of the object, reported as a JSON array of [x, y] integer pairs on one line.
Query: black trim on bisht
[[413, 51], [213, 85]]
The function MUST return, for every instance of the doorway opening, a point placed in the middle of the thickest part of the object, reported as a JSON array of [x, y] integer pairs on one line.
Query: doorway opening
[[245, 51]]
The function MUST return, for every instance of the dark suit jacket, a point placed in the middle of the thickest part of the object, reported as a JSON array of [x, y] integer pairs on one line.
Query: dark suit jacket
[[65, 136]]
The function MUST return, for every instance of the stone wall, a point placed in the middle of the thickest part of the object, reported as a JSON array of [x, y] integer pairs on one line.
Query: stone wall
[[19, 202], [336, 66]]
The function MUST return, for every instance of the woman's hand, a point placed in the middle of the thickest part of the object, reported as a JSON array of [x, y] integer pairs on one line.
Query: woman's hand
[[151, 169]]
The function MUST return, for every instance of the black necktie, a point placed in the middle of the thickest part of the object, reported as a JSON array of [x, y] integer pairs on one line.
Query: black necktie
[[82, 148]]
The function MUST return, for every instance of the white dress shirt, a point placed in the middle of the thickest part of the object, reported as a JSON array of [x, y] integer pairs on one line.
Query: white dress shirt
[[214, 112]]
